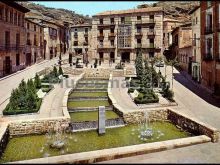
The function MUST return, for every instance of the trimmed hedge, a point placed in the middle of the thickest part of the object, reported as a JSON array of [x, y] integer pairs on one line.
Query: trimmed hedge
[[146, 96], [130, 90], [9, 111]]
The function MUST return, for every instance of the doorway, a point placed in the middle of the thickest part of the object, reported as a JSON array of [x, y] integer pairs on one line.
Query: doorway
[[7, 65], [28, 59], [125, 57], [112, 57]]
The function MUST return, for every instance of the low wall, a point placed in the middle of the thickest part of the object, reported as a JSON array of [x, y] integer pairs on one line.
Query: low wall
[[4, 137], [192, 125]]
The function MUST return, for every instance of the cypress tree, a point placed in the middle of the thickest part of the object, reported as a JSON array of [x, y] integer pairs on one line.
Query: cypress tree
[[37, 81], [139, 65], [55, 71], [60, 71]]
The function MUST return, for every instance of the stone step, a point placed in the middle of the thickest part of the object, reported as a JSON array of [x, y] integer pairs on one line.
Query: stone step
[[91, 125], [81, 109], [86, 98], [90, 90]]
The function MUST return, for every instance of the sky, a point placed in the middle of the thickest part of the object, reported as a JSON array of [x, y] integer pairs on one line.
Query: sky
[[92, 7]]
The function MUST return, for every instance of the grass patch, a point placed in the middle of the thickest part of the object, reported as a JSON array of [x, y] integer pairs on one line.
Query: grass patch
[[91, 116], [88, 94], [29, 147], [87, 103]]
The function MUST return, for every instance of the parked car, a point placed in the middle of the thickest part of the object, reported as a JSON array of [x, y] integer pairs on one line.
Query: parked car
[[160, 64], [79, 63]]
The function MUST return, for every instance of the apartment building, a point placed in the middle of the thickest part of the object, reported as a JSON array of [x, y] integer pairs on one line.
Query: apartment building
[[196, 36], [12, 37], [210, 44], [81, 40], [54, 39], [34, 42], [182, 46], [120, 35], [168, 26]]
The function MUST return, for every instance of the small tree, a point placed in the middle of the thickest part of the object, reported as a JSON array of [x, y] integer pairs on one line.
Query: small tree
[[31, 85], [14, 99], [55, 71], [31, 100], [37, 81], [22, 88], [60, 71], [139, 65]]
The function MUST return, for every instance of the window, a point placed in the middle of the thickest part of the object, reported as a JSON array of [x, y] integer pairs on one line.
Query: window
[[209, 46], [41, 41], [35, 28], [7, 39], [86, 39], [151, 16], [112, 30], [112, 42], [35, 40], [75, 43], [209, 3], [41, 29], [112, 21], [138, 17], [101, 21], [19, 20], [15, 19], [1, 12], [86, 30], [28, 25], [101, 31], [17, 59], [6, 15], [196, 20], [11, 16], [17, 39], [138, 29], [139, 41], [122, 19]]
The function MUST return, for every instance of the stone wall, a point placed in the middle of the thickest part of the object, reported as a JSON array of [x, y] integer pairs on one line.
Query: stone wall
[[96, 73], [4, 137], [192, 125]]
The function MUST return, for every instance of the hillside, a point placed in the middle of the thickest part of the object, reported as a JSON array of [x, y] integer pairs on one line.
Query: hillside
[[174, 9], [48, 13]]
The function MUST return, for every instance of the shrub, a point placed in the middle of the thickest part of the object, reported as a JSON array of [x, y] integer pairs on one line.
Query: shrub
[[55, 71], [146, 96], [130, 90]]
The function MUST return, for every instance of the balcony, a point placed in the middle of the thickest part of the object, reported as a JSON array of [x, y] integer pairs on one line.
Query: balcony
[[109, 24], [138, 34], [100, 35], [101, 46], [151, 34], [208, 29], [85, 43], [150, 21], [138, 45], [208, 57], [11, 47], [111, 35]]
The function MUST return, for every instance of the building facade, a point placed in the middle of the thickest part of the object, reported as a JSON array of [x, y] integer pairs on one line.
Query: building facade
[[196, 36], [210, 44], [34, 42], [81, 41], [120, 35], [182, 46], [12, 37], [168, 26]]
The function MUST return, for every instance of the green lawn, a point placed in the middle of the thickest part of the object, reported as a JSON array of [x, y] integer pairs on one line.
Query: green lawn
[[91, 116], [88, 94], [30, 147], [87, 103]]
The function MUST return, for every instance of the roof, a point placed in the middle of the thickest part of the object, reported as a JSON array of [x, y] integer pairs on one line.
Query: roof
[[171, 20], [16, 6], [194, 9], [81, 25], [130, 11], [34, 22]]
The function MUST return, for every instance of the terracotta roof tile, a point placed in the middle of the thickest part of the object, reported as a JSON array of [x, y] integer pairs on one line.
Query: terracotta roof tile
[[142, 10]]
